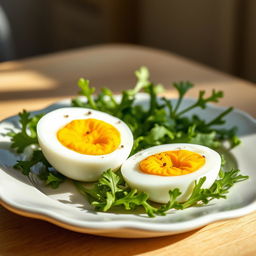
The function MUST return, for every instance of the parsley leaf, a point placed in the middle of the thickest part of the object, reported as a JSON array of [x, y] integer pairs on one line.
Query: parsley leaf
[[163, 121], [182, 89], [27, 135], [87, 91], [25, 166], [202, 101], [111, 191], [53, 179]]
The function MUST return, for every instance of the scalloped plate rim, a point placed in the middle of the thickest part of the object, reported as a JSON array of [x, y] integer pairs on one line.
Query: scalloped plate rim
[[155, 229]]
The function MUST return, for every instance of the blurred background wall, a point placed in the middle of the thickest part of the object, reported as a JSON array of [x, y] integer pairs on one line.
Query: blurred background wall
[[219, 33]]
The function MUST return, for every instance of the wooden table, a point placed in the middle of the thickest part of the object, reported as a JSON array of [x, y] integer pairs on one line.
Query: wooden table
[[35, 83]]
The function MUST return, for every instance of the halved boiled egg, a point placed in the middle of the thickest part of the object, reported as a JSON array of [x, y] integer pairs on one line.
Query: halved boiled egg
[[158, 169], [82, 143]]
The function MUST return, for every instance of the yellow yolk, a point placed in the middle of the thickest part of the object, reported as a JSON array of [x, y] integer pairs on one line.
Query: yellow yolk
[[89, 137], [172, 163]]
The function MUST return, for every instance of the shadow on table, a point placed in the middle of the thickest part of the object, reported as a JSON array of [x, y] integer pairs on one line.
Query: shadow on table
[[34, 237]]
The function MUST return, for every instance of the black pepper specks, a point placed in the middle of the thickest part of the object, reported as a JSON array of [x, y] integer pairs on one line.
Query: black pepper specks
[[164, 164], [66, 116], [88, 113]]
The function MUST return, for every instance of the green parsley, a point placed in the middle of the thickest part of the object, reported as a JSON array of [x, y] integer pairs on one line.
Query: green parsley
[[51, 178], [27, 136], [111, 191], [164, 121]]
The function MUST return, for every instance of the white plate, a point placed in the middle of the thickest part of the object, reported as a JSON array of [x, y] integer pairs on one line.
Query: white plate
[[66, 208]]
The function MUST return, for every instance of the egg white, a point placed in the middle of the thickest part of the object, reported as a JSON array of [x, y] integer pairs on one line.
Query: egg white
[[157, 187], [75, 165]]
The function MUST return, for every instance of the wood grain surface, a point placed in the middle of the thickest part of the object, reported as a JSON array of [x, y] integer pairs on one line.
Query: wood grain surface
[[35, 83]]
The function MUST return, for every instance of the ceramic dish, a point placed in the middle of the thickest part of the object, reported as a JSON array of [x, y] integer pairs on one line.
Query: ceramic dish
[[66, 208]]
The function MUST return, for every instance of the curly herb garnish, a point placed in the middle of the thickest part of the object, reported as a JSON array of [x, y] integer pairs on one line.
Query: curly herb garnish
[[111, 191], [164, 121]]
